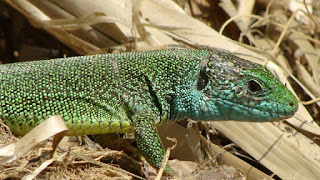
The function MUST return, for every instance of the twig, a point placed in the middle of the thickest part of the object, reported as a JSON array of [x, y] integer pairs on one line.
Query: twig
[[166, 158], [284, 31], [310, 102], [98, 163]]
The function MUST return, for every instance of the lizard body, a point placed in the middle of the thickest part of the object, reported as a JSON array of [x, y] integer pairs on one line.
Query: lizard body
[[135, 91]]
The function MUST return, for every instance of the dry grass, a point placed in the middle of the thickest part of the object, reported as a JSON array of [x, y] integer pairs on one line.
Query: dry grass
[[284, 39]]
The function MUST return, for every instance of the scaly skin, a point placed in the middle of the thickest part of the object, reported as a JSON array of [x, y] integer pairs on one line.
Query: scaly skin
[[133, 92]]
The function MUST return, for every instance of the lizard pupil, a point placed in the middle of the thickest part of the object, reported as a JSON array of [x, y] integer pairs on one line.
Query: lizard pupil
[[254, 86]]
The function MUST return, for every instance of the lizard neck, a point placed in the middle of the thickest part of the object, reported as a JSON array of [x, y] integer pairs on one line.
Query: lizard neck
[[194, 106]]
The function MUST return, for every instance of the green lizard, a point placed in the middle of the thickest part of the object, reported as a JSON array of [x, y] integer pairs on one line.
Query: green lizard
[[135, 91]]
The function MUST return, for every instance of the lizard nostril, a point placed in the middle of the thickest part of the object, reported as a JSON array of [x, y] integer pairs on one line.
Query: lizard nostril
[[291, 104]]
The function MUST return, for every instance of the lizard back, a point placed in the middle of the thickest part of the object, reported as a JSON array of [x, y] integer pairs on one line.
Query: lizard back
[[94, 94]]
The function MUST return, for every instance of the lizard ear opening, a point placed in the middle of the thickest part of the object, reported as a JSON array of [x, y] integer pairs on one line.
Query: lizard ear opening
[[203, 80]]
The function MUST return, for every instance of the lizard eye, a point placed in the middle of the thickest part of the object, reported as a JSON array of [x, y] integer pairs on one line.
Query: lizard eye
[[202, 81], [254, 86]]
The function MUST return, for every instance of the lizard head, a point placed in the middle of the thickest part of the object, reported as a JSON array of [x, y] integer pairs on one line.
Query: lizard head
[[231, 88]]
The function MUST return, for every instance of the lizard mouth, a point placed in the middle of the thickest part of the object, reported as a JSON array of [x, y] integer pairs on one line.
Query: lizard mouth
[[273, 112]]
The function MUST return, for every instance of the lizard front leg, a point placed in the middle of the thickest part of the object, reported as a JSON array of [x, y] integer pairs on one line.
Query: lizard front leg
[[148, 141]]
